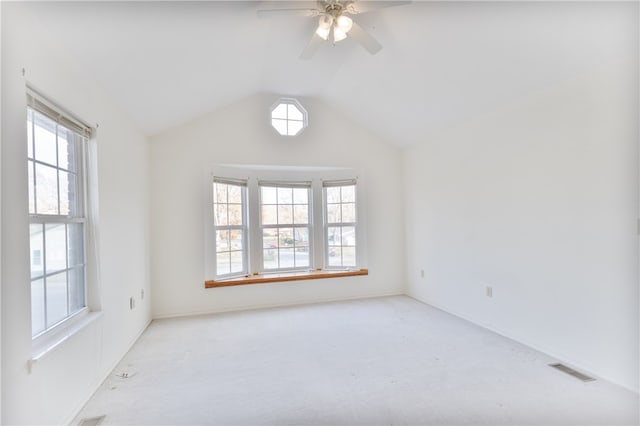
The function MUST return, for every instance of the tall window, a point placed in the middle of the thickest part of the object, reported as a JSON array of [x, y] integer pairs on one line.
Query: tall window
[[285, 225], [229, 207], [56, 149], [340, 223]]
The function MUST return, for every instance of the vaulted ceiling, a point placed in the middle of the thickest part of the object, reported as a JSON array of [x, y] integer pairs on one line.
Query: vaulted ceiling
[[164, 63]]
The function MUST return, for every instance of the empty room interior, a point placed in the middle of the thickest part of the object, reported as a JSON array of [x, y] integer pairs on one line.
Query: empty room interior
[[320, 212]]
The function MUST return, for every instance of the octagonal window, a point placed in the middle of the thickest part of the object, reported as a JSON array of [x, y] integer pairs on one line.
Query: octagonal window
[[288, 117]]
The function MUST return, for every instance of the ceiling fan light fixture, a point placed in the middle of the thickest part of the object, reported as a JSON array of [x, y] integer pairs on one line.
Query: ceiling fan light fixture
[[338, 34], [324, 26], [323, 33], [344, 23]]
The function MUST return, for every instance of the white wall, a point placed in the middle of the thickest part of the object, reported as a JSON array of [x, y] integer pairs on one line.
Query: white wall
[[241, 134], [539, 200], [62, 381]]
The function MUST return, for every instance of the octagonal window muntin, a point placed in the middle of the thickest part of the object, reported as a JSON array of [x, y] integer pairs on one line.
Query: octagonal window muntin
[[288, 117]]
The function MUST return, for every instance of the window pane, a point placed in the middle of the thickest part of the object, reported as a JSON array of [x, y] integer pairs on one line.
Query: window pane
[[294, 127], [280, 111], [348, 236], [348, 256], [280, 126], [349, 212], [68, 194], [300, 196], [46, 189], [36, 247], [37, 306], [302, 257], [335, 256], [235, 238], [333, 194], [220, 212], [45, 139], [56, 247], [32, 206], [219, 193], [301, 214], [285, 237], [270, 258], [75, 246], [223, 263], [30, 133], [349, 194], [235, 214], [285, 195], [222, 241], [66, 144], [285, 214], [236, 261], [56, 287], [286, 258], [333, 236], [294, 112], [301, 237], [268, 195], [76, 289], [270, 238], [269, 215], [333, 213], [235, 194]]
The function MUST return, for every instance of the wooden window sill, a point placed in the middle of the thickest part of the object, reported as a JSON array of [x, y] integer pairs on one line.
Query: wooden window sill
[[289, 276]]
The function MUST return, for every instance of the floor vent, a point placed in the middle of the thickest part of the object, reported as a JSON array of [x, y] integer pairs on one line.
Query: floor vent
[[92, 421], [572, 372]]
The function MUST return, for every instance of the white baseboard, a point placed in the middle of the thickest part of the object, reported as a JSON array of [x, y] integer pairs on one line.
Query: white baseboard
[[96, 385], [273, 305], [584, 367]]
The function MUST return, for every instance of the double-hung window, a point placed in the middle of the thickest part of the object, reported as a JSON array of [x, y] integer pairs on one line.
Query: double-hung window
[[270, 220], [340, 223], [57, 213], [286, 225], [230, 223]]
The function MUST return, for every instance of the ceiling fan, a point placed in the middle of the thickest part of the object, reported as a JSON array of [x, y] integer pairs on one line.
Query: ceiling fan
[[335, 23]]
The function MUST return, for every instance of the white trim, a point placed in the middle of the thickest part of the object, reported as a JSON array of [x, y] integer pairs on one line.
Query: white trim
[[296, 302], [527, 342], [58, 334], [97, 383]]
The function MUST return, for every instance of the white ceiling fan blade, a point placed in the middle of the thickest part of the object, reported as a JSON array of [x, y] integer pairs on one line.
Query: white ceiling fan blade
[[267, 13], [358, 7], [364, 38], [308, 52]]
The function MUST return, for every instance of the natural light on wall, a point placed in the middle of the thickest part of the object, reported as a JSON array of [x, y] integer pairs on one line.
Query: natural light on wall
[[288, 117]]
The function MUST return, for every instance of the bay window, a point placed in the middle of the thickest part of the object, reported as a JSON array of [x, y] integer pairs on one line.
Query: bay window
[[268, 221]]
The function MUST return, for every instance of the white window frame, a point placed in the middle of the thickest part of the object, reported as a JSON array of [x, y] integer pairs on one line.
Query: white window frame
[[244, 227], [254, 174], [298, 106], [309, 225], [326, 225], [41, 105]]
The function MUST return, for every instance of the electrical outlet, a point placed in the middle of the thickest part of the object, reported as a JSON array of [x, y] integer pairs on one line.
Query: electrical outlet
[[421, 273], [142, 294], [132, 303], [489, 291]]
